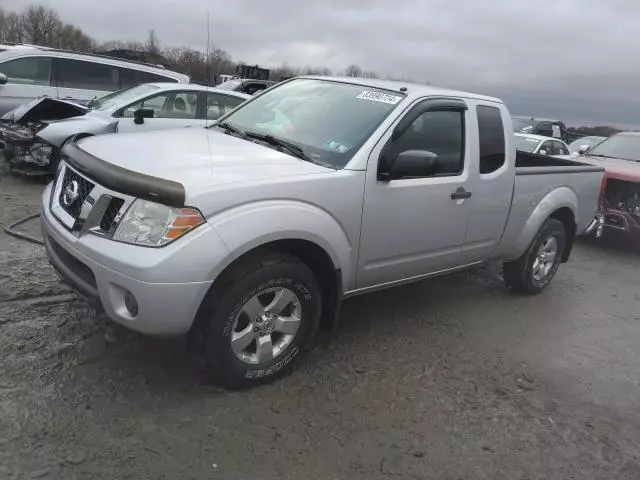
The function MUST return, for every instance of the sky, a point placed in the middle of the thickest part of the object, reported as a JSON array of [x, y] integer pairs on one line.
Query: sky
[[575, 60]]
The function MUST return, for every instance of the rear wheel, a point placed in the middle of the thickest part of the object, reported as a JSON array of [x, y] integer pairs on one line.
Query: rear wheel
[[535, 269], [257, 323]]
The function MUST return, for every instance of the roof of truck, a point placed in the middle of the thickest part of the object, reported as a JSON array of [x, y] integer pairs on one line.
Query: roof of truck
[[412, 89]]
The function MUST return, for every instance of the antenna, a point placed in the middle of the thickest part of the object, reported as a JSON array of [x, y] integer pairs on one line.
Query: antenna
[[208, 56]]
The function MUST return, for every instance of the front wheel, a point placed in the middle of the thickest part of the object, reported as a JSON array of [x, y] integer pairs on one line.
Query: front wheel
[[257, 323], [535, 269]]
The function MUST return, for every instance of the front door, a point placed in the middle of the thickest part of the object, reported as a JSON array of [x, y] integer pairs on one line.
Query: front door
[[173, 109], [415, 226]]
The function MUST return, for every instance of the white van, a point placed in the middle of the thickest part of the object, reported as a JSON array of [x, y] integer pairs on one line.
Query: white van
[[31, 72]]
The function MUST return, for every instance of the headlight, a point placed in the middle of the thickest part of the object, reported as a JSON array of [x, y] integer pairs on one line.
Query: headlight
[[154, 225]]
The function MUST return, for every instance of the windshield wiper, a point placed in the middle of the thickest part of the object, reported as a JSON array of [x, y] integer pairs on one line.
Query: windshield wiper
[[292, 148], [230, 128]]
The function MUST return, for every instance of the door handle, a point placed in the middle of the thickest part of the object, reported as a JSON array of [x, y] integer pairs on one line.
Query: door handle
[[460, 194]]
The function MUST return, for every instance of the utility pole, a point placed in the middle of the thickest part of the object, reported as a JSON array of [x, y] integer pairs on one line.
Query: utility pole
[[208, 56]]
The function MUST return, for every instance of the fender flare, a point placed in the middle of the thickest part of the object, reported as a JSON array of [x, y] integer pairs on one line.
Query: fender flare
[[249, 226], [559, 198]]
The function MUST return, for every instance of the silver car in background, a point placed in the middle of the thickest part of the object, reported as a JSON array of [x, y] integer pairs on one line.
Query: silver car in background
[[152, 106], [30, 72]]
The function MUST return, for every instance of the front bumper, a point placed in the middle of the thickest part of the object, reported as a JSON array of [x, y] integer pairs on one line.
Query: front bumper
[[167, 305]]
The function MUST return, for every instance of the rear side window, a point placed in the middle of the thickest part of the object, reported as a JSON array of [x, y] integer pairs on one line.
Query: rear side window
[[87, 75], [28, 70], [492, 141], [130, 78]]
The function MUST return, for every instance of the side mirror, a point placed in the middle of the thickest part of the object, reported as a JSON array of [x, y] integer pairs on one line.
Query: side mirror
[[140, 114], [542, 152], [584, 149], [413, 163], [3, 79]]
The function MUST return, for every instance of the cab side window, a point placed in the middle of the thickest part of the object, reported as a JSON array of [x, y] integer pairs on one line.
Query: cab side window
[[440, 132], [28, 71]]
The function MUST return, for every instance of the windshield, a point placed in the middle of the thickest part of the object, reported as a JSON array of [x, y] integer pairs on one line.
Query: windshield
[[229, 85], [624, 147], [521, 124], [121, 97], [328, 120], [526, 144], [585, 142]]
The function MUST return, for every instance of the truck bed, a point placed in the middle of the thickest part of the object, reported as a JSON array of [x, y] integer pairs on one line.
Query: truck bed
[[533, 164], [541, 185]]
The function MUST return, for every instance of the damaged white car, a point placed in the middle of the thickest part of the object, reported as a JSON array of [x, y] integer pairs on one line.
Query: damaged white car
[[34, 134]]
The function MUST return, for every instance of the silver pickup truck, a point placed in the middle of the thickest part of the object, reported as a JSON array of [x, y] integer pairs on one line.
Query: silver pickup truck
[[249, 234]]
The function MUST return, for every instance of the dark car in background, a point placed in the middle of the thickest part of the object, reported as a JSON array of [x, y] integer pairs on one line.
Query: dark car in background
[[248, 86], [540, 126], [620, 203]]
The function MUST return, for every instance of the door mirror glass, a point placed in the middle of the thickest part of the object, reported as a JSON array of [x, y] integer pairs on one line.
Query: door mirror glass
[[140, 114], [3, 79], [414, 163]]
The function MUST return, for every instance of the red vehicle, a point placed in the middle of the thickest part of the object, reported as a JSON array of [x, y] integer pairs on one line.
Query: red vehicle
[[620, 200]]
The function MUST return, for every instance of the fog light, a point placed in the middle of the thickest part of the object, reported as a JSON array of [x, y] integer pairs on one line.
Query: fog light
[[131, 304]]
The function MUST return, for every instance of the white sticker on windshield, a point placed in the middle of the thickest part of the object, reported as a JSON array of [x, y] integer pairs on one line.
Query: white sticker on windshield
[[379, 97]]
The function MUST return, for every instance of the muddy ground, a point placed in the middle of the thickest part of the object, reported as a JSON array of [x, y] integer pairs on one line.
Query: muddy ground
[[447, 379]]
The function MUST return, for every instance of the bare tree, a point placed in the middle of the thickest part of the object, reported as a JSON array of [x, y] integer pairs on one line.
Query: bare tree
[[153, 45], [370, 74], [353, 71], [41, 25], [73, 38], [135, 45]]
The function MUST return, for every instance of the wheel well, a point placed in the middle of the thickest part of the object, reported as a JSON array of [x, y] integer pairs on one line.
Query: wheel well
[[318, 260], [567, 218]]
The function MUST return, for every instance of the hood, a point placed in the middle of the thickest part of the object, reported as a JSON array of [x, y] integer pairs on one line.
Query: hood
[[43, 109], [619, 169], [57, 132], [198, 158]]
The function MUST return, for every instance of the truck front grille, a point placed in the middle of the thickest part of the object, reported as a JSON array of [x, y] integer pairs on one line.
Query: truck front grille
[[75, 190], [84, 206], [108, 221]]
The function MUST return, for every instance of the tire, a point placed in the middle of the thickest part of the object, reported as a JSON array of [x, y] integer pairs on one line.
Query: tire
[[274, 280], [522, 275]]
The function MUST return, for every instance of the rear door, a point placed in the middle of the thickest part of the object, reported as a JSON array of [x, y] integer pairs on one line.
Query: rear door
[[491, 181], [81, 81], [415, 226], [171, 109], [28, 77]]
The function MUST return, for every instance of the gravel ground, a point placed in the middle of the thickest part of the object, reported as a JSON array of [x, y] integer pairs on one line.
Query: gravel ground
[[452, 378]]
